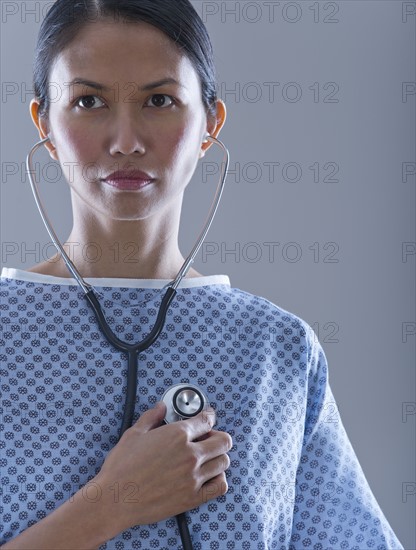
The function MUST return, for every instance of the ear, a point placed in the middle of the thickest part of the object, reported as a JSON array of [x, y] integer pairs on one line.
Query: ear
[[214, 125], [41, 124]]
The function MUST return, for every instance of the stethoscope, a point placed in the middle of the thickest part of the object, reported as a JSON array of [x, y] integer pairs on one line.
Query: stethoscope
[[184, 400]]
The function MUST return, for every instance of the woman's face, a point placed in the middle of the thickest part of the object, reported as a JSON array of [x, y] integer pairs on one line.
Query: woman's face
[[144, 112]]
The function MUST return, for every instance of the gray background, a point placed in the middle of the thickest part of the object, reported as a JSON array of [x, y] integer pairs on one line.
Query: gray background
[[342, 131]]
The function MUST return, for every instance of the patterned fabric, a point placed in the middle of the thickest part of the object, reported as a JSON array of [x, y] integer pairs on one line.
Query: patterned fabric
[[294, 480]]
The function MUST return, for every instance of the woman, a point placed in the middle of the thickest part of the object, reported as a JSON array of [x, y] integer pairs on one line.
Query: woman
[[137, 100]]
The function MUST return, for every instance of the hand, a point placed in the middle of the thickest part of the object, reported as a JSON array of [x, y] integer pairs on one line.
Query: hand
[[166, 469]]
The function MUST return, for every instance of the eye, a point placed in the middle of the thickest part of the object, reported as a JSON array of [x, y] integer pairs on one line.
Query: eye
[[88, 102], [160, 100]]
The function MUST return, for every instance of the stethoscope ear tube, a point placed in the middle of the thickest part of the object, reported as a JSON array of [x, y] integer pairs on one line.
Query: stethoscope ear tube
[[71, 267], [189, 260]]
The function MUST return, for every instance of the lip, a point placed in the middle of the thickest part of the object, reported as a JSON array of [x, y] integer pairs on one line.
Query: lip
[[129, 180]]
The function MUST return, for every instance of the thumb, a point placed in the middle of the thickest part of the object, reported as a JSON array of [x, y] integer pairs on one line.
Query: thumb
[[152, 418]]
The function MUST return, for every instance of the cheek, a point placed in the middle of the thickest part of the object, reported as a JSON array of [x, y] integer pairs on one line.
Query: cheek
[[77, 154], [183, 146]]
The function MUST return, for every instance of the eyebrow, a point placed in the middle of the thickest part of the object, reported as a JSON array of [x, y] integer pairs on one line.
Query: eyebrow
[[145, 88]]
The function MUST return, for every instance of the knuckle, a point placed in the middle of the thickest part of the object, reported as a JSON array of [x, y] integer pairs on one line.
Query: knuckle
[[194, 484], [208, 416], [183, 431], [226, 462], [132, 433], [227, 441], [192, 457], [224, 486]]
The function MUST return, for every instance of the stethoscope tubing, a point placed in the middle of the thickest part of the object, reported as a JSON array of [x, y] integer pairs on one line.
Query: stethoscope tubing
[[133, 350]]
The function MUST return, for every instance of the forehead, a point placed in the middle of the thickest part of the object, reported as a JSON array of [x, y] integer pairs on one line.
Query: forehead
[[108, 52]]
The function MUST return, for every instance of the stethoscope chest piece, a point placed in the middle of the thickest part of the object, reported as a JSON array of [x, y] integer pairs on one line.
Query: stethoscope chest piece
[[183, 401]]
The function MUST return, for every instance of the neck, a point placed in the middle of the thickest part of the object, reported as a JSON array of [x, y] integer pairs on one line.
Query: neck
[[138, 249], [123, 255]]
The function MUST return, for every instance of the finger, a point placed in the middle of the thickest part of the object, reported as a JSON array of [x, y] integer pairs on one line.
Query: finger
[[214, 488], [216, 444], [213, 468], [151, 419], [200, 424]]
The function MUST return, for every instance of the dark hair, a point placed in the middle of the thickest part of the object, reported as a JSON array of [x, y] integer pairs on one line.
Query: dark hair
[[176, 18]]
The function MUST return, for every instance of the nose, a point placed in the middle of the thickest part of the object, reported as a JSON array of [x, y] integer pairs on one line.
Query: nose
[[127, 135]]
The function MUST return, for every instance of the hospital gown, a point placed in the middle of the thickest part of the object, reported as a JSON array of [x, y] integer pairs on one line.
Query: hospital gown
[[294, 480]]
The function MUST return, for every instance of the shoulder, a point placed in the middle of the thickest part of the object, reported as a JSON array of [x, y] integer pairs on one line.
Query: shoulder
[[256, 315]]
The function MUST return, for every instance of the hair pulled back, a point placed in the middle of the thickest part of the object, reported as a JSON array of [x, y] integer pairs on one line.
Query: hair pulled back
[[176, 18]]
